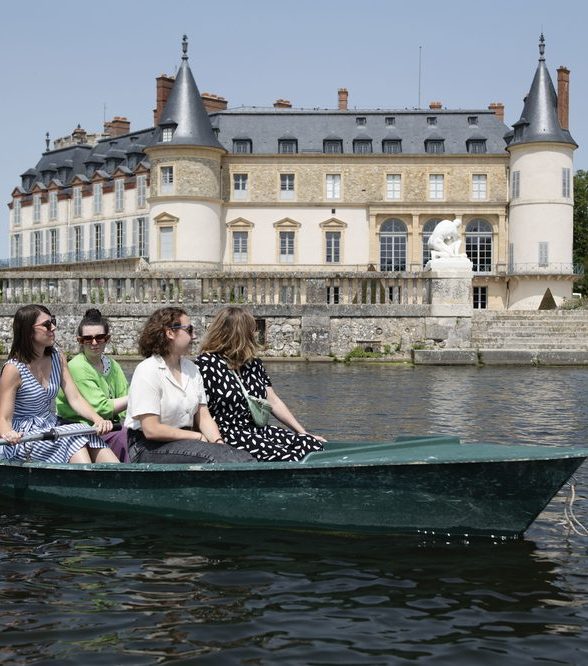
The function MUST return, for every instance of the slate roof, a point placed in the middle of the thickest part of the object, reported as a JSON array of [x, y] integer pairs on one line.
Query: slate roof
[[75, 158], [539, 120], [265, 126], [185, 112]]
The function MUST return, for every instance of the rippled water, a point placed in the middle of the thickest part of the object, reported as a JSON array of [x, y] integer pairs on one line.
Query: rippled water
[[104, 589]]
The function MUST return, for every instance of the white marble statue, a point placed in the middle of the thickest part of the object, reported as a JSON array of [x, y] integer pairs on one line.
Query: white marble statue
[[445, 240]]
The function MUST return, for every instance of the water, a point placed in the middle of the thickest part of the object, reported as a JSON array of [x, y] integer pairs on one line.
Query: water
[[101, 589]]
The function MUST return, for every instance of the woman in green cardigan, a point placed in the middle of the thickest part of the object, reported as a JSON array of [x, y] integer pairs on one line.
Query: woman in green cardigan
[[100, 379]]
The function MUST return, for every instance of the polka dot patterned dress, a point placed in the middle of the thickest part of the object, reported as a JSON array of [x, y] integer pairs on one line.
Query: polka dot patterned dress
[[231, 413]]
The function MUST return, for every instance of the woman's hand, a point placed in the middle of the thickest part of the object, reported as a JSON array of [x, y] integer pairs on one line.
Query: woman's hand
[[310, 434], [102, 426], [11, 436]]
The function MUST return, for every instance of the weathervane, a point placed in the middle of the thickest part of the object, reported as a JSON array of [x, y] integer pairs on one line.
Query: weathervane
[[542, 47], [185, 47]]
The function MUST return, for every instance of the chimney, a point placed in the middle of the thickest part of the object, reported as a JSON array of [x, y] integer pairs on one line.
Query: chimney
[[79, 135], [282, 104], [118, 126], [563, 97], [435, 105], [343, 96], [164, 84], [213, 102], [498, 109]]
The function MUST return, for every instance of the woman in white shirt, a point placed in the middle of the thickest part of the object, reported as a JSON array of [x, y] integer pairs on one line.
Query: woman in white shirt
[[167, 415]]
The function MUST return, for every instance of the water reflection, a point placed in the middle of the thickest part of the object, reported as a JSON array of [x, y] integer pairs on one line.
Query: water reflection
[[378, 401], [147, 592]]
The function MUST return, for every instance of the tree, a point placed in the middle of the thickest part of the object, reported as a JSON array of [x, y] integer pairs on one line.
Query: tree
[[581, 228]]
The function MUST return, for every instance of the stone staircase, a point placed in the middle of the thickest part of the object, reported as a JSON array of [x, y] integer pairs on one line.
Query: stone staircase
[[545, 330]]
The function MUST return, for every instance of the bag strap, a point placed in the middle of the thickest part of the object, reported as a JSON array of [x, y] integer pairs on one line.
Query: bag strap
[[243, 389]]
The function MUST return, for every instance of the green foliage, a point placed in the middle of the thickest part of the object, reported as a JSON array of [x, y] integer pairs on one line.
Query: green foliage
[[581, 228], [360, 352]]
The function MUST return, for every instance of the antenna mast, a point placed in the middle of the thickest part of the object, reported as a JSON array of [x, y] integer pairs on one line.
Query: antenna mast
[[419, 104]]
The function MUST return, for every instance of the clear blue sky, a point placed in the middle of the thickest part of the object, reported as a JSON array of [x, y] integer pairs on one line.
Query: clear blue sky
[[62, 62]]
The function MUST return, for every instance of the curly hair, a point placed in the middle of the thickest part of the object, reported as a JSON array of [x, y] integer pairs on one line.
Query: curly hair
[[232, 334], [153, 338], [22, 332]]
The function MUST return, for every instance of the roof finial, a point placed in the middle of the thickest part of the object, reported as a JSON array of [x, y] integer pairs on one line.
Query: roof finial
[[541, 47], [185, 47], [47, 140]]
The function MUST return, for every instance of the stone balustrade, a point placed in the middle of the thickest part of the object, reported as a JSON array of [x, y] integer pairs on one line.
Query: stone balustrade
[[252, 288]]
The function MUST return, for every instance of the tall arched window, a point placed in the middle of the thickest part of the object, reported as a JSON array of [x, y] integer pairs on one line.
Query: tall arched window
[[479, 245], [428, 228], [393, 238]]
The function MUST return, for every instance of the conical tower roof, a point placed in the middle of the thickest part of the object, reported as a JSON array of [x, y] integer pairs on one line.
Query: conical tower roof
[[184, 111], [539, 120]]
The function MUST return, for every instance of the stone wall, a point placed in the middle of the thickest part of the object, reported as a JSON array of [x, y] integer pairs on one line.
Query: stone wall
[[300, 334]]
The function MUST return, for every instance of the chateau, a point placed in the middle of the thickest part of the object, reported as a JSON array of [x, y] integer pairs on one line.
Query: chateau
[[263, 191]]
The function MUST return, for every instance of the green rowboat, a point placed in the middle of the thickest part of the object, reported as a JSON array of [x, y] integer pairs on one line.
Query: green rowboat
[[413, 484]]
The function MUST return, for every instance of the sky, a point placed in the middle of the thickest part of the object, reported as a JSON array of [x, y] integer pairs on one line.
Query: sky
[[67, 62]]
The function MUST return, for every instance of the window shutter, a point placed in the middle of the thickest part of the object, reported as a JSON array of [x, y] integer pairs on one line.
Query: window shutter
[[124, 238], [113, 238], [70, 242]]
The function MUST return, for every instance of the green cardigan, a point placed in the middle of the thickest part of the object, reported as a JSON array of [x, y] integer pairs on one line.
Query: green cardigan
[[98, 389]]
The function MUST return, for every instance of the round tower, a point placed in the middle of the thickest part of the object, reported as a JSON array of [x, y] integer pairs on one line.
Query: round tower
[[541, 198], [185, 196]]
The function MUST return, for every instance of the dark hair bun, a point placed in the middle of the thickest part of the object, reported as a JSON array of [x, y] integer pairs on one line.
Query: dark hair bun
[[93, 314]]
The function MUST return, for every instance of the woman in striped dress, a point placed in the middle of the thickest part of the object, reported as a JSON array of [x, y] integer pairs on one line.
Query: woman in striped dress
[[28, 385]]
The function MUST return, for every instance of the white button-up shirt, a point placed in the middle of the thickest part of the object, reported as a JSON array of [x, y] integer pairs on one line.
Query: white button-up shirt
[[154, 390]]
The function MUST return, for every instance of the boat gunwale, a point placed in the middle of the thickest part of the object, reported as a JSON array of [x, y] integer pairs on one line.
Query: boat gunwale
[[332, 464]]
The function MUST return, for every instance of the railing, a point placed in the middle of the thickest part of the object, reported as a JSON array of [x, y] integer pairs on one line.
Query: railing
[[551, 269], [56, 259], [269, 289]]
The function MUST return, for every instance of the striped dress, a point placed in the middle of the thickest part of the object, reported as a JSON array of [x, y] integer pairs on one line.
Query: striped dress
[[33, 412]]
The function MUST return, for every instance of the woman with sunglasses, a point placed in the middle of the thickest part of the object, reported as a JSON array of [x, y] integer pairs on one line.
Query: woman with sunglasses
[[100, 379], [167, 416], [29, 382]]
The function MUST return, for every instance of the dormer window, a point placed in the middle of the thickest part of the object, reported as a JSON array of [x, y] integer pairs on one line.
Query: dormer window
[[362, 146], [242, 146], [434, 146], [287, 146], [390, 120], [391, 146], [361, 121], [431, 120], [476, 146], [167, 134], [472, 121], [332, 146]]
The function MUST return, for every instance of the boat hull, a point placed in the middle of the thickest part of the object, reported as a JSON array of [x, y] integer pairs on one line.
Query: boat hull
[[342, 494]]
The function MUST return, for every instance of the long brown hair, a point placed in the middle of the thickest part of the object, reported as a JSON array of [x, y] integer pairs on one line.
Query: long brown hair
[[232, 334], [22, 333], [153, 338]]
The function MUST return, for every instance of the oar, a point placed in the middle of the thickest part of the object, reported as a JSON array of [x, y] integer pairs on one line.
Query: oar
[[57, 432]]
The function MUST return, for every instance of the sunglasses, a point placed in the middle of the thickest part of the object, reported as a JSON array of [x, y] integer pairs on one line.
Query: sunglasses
[[185, 327], [48, 323], [88, 339]]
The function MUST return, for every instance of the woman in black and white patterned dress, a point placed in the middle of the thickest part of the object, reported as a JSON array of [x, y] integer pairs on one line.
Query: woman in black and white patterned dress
[[230, 345]]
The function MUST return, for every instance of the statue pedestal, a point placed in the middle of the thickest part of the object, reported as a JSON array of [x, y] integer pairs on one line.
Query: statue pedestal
[[450, 298]]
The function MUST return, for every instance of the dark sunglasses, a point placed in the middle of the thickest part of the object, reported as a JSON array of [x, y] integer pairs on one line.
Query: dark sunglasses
[[87, 339], [185, 327], [48, 323]]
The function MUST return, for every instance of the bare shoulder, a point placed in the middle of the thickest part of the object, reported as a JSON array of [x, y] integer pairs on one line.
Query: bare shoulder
[[10, 376]]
